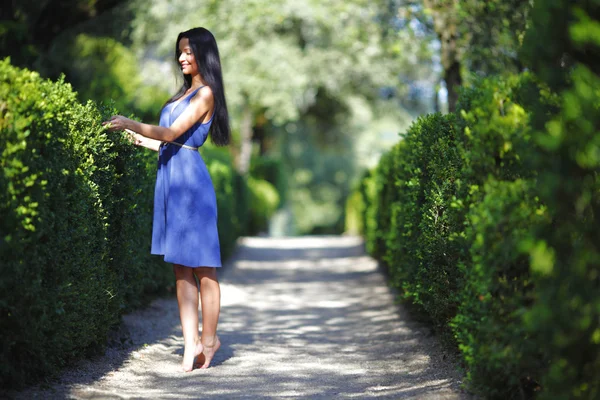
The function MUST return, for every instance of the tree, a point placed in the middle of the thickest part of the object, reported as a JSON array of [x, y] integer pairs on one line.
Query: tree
[[28, 27], [279, 57], [475, 36], [445, 24], [492, 34]]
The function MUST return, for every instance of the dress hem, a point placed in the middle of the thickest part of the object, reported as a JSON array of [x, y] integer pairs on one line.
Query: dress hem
[[189, 266]]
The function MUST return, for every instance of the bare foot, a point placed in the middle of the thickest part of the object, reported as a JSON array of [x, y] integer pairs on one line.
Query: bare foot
[[208, 353], [189, 354]]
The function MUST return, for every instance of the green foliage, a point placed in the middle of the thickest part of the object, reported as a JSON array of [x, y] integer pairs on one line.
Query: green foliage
[[264, 201], [27, 28], [102, 68], [474, 37], [272, 170], [566, 255], [87, 44], [495, 129], [454, 212], [127, 195], [379, 195], [419, 246], [491, 32], [503, 358], [551, 22], [564, 49], [59, 296], [88, 56], [361, 212], [368, 193], [319, 180], [552, 314], [487, 33], [277, 55], [355, 208], [232, 197]]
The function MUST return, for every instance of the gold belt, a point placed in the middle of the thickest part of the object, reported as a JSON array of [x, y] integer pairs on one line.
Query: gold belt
[[185, 146]]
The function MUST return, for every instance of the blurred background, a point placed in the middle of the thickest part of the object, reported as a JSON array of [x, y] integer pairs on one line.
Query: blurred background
[[317, 90]]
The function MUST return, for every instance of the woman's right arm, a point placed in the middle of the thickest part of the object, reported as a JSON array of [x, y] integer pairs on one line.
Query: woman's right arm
[[141, 140]]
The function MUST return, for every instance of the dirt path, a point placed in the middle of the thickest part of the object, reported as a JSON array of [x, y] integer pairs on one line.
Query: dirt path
[[301, 318]]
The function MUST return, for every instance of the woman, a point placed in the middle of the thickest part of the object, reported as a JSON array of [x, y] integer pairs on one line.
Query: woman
[[185, 212]]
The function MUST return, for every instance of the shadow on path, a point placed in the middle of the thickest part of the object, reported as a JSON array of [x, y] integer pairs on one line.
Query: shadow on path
[[301, 317]]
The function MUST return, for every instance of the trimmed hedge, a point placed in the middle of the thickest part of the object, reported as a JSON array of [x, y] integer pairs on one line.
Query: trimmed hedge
[[76, 205], [264, 201], [421, 191], [272, 170], [566, 254], [232, 197], [59, 296], [502, 356], [487, 219], [355, 207], [424, 172]]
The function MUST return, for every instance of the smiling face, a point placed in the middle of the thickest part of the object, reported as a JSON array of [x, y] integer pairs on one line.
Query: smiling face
[[187, 60]]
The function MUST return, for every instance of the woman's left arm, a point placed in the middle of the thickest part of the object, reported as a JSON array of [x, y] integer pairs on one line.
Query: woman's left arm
[[200, 106], [143, 141]]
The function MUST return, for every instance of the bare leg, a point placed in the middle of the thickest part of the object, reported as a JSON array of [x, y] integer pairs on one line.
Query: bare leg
[[210, 293], [187, 298]]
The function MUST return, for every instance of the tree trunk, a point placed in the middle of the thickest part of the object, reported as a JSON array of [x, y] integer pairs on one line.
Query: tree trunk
[[243, 161], [453, 82], [259, 134], [445, 23]]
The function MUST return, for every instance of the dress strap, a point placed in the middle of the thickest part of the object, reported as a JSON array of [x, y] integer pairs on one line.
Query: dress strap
[[198, 88]]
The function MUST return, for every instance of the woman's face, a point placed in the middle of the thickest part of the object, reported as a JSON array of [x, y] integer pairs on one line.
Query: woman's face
[[188, 63]]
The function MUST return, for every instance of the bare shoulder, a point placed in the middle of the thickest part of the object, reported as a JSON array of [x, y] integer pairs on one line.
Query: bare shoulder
[[204, 95], [203, 101]]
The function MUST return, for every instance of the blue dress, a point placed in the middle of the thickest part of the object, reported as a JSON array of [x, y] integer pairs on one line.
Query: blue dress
[[184, 227]]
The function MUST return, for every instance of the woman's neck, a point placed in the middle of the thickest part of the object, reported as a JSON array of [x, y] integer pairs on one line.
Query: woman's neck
[[196, 82]]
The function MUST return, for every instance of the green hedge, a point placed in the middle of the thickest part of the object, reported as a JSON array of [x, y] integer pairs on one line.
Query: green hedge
[[233, 197], [272, 170], [53, 223], [424, 175], [503, 357], [264, 201], [488, 218], [422, 190], [355, 207], [76, 205], [268, 192], [566, 253]]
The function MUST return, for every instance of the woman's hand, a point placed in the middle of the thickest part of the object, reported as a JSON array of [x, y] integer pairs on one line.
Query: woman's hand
[[134, 138], [118, 123]]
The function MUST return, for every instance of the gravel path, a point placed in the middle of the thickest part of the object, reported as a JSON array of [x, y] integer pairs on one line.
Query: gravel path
[[301, 318]]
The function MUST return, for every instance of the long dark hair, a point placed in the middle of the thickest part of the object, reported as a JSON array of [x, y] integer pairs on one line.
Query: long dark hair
[[204, 47]]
